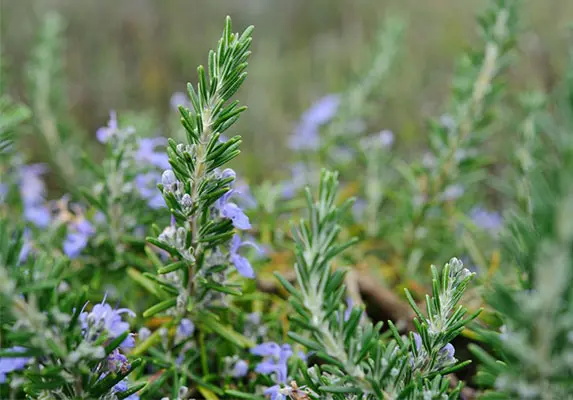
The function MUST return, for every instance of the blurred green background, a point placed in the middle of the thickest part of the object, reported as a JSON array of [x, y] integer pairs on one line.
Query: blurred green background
[[133, 54]]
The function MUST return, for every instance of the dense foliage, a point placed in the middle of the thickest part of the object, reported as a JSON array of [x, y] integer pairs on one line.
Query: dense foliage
[[162, 274]]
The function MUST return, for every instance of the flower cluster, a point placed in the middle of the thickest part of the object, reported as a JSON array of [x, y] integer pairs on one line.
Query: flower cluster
[[274, 363]]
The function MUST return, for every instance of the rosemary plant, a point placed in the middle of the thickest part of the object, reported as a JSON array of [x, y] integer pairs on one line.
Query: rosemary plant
[[355, 358]]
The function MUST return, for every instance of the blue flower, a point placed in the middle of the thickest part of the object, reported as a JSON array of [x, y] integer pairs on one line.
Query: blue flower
[[452, 192], [274, 361], [487, 220], [39, 214], [77, 238], [184, 330], [117, 361], [383, 140], [103, 317], [301, 175], [179, 99], [3, 192], [146, 185], [446, 355], [232, 211], [242, 264], [417, 341], [10, 364], [121, 386], [146, 152], [26, 246], [306, 134], [240, 369], [33, 192], [274, 392], [104, 133]]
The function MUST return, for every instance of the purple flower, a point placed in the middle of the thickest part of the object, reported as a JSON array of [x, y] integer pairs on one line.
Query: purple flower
[[452, 192], [179, 99], [266, 349], [486, 220], [39, 214], [245, 198], [383, 139], [274, 392], [102, 316], [146, 152], [417, 341], [274, 361], [32, 186], [146, 185], [242, 264], [349, 305], [117, 361], [3, 192], [306, 134], [240, 369], [168, 178], [359, 208], [10, 364], [26, 246], [184, 330], [301, 175], [33, 192], [121, 386], [77, 238], [104, 133], [446, 355], [232, 211]]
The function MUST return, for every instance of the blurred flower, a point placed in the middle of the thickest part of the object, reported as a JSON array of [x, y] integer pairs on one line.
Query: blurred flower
[[104, 133], [448, 121], [452, 192], [77, 238], [33, 192], [306, 134], [241, 263], [179, 99], [383, 139], [146, 152], [245, 199], [26, 246], [10, 364], [301, 175], [143, 333], [240, 369], [112, 130], [103, 318], [274, 393], [184, 330], [3, 192], [486, 220], [359, 208], [146, 185]]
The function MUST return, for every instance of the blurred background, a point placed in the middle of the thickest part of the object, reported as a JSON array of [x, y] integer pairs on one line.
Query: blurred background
[[134, 54]]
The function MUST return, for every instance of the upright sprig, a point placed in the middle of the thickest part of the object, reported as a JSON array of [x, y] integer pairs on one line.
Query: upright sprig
[[198, 192], [530, 357], [454, 163], [48, 100], [356, 360]]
